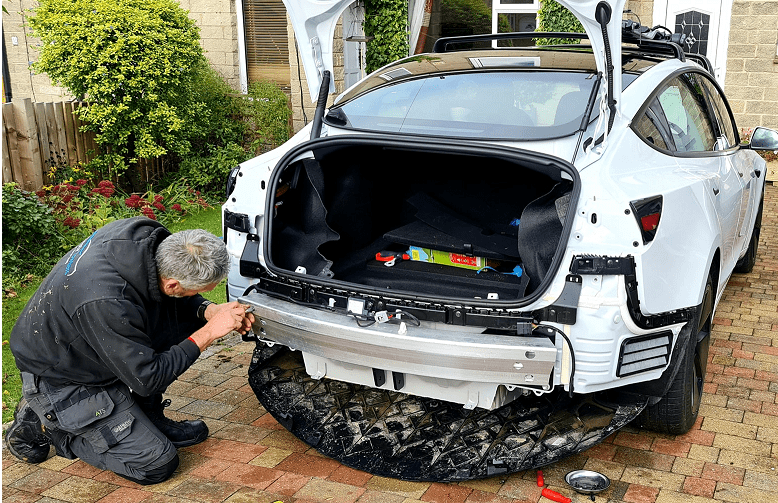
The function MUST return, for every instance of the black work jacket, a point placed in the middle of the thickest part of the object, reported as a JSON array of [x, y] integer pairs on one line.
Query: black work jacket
[[100, 316]]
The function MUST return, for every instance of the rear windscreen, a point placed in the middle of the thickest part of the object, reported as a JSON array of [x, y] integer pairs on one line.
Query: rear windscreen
[[527, 105]]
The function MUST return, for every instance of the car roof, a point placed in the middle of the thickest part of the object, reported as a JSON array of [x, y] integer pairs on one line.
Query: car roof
[[544, 58]]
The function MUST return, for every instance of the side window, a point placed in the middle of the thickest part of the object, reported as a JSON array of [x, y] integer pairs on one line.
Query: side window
[[684, 105], [648, 130], [726, 126]]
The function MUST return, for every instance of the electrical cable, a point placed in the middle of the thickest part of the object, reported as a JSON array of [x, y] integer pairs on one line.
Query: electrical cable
[[300, 80], [572, 353]]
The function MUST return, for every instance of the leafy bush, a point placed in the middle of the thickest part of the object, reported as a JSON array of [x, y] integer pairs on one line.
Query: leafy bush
[[209, 173], [555, 17], [31, 237], [39, 228], [387, 22], [262, 117], [266, 113], [136, 62]]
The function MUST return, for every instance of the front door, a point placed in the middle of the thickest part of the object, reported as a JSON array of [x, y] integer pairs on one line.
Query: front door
[[705, 23]]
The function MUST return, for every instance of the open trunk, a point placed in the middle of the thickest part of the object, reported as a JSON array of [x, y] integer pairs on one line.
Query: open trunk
[[459, 222]]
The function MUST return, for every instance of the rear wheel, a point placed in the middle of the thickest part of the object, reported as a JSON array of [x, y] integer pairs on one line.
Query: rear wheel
[[676, 412]]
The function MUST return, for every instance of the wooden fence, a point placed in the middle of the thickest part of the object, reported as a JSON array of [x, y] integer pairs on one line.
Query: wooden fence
[[40, 136]]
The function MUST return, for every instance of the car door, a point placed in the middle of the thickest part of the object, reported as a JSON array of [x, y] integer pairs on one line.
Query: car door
[[742, 163], [681, 121]]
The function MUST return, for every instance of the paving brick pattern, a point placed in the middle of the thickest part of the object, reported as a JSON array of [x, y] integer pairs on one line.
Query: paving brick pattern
[[731, 454]]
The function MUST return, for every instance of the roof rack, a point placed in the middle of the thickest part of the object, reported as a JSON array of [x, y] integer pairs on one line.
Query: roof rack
[[658, 40]]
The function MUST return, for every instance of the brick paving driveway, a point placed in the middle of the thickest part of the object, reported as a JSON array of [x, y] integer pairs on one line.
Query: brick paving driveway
[[731, 455]]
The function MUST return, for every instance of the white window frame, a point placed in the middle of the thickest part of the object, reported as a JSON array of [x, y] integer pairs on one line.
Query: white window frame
[[501, 8]]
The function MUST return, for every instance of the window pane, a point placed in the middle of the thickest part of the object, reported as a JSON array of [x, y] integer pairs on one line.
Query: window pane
[[726, 125], [511, 105], [646, 129], [686, 110]]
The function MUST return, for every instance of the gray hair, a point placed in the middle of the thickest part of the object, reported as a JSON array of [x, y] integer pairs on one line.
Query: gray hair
[[195, 258]]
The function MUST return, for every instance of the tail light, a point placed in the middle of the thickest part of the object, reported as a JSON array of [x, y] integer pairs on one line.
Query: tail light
[[647, 212]]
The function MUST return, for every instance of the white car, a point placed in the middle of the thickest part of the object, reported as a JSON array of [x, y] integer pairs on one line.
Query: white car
[[486, 259]]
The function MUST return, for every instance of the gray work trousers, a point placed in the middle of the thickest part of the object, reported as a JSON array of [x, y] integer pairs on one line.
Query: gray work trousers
[[103, 426]]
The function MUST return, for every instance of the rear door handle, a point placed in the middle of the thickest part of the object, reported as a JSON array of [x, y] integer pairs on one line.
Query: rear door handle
[[716, 191]]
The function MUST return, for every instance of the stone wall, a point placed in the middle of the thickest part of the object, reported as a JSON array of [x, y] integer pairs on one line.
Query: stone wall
[[218, 36], [218, 23], [751, 83], [24, 82], [644, 9]]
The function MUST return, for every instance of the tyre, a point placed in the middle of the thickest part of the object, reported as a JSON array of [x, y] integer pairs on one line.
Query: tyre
[[676, 412], [746, 263]]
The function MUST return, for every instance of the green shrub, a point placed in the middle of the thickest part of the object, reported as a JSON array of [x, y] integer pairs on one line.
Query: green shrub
[[209, 173], [135, 62], [267, 115], [555, 17], [31, 237], [221, 124]]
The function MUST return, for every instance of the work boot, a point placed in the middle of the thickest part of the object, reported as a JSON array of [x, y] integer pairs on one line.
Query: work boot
[[25, 438], [180, 433]]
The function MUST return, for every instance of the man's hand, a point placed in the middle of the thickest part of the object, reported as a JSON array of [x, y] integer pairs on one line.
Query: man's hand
[[222, 319]]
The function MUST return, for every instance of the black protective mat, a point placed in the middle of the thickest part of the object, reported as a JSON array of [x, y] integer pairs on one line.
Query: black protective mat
[[396, 435]]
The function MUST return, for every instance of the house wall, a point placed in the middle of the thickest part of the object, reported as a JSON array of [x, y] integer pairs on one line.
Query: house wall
[[751, 83], [218, 37], [218, 23], [24, 82]]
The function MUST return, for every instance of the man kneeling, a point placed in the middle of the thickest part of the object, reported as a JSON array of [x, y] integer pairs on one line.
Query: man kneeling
[[117, 320]]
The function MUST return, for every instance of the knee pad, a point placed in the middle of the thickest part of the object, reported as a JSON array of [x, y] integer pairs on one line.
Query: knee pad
[[156, 475]]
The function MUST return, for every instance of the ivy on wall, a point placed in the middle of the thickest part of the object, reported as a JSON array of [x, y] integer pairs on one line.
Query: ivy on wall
[[555, 17], [386, 21]]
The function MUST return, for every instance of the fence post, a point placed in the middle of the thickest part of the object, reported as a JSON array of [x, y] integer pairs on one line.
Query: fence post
[[29, 148], [11, 169], [70, 132], [56, 135], [46, 153]]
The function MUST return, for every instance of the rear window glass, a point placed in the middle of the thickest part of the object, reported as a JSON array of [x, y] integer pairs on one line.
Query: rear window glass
[[502, 105]]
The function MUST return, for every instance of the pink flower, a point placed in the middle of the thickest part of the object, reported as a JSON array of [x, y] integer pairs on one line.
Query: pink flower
[[177, 207], [41, 193], [159, 206], [81, 182], [149, 213]]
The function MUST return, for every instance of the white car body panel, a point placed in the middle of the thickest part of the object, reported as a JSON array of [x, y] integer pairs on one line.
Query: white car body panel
[[718, 193]]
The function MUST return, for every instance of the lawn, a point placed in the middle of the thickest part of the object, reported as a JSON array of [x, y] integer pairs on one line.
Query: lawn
[[209, 220]]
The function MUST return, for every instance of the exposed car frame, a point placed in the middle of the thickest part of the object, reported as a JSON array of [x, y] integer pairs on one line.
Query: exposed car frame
[[622, 311]]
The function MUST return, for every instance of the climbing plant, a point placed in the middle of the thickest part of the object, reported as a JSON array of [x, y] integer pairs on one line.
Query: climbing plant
[[386, 21], [555, 17]]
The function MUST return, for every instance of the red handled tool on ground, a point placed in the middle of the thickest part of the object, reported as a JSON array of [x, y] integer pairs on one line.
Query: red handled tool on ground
[[549, 493], [554, 496]]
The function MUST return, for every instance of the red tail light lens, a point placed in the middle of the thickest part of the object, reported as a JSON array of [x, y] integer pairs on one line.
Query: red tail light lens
[[650, 222], [647, 213]]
